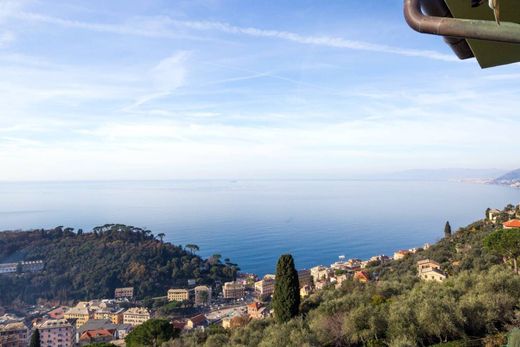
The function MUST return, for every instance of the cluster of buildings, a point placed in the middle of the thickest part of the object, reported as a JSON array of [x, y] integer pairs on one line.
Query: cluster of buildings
[[255, 310], [87, 322], [102, 310], [509, 216], [402, 253], [337, 273], [200, 295]]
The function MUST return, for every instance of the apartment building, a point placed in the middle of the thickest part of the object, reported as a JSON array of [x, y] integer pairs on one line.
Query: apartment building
[[81, 313], [136, 316], [56, 333], [14, 335], [23, 266], [121, 293], [265, 286], [115, 315], [178, 295], [233, 290]]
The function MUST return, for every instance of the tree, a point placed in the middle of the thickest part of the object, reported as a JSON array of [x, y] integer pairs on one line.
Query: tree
[[204, 296], [215, 258], [447, 230], [505, 242], [286, 297], [151, 333], [161, 236], [193, 248], [35, 339]]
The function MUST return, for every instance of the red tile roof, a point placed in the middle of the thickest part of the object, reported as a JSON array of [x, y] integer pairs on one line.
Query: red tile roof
[[57, 313], [179, 324], [513, 223], [90, 334], [254, 306], [361, 275], [198, 319]]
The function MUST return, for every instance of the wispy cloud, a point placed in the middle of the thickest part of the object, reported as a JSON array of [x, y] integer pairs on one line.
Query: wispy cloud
[[140, 29], [139, 101], [167, 76], [328, 41], [160, 27]]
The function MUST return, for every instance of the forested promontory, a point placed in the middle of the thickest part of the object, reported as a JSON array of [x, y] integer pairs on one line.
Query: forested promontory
[[86, 265]]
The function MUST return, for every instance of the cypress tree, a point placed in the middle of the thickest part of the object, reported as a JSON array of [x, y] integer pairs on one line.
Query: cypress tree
[[286, 297], [35, 339], [447, 230]]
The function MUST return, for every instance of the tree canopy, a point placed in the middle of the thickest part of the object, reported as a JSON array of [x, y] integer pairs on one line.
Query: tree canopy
[[505, 242], [151, 333]]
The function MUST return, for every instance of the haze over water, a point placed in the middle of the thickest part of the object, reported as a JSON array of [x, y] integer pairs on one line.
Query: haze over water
[[253, 222]]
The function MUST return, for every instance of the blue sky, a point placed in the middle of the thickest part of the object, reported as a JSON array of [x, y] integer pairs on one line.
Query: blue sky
[[240, 89]]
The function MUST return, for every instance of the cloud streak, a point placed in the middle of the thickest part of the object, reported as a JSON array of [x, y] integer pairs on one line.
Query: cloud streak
[[327, 41], [159, 27]]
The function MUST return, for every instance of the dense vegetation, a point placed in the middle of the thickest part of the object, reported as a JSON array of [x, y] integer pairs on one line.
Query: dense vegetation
[[91, 265], [151, 333], [476, 306]]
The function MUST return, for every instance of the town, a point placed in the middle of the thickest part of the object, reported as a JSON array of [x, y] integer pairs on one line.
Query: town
[[230, 305]]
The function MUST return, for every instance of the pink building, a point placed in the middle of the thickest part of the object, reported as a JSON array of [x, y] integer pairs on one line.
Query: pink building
[[56, 333]]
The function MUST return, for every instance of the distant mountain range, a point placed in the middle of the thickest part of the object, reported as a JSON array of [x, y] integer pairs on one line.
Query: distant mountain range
[[510, 176], [446, 174], [509, 179], [479, 176]]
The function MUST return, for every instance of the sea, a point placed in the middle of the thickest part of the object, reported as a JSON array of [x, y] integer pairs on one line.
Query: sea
[[253, 222]]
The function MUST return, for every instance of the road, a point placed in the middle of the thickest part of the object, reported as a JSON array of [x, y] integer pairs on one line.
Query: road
[[217, 315]]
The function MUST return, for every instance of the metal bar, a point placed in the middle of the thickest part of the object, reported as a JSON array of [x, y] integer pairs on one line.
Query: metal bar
[[464, 28]]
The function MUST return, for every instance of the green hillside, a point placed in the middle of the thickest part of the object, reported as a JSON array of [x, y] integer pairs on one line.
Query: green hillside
[[90, 265], [477, 305]]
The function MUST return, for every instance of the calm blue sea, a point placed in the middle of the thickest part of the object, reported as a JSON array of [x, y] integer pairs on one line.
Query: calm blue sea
[[253, 222]]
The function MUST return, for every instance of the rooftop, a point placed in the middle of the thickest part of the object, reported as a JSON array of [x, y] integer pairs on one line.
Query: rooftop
[[255, 305], [513, 223], [100, 324], [427, 261], [96, 333], [198, 319], [12, 326], [137, 310], [433, 270], [55, 323]]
